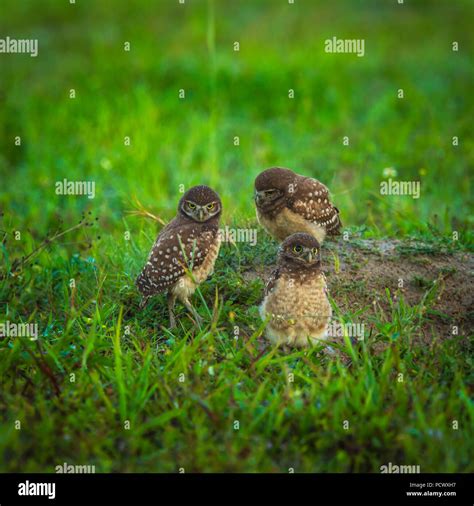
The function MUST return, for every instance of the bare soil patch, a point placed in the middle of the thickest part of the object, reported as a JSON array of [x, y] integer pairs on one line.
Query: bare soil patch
[[359, 273]]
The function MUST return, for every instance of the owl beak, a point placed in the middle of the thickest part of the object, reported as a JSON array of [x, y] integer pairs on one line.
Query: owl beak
[[309, 257], [258, 198], [201, 214]]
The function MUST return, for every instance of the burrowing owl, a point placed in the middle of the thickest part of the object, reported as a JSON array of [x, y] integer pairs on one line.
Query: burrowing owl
[[288, 203], [296, 301], [185, 251]]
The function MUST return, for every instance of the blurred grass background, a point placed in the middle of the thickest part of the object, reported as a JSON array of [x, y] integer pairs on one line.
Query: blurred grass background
[[244, 94]]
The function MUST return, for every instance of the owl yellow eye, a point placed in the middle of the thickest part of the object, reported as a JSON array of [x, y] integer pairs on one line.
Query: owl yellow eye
[[314, 251], [191, 205], [297, 248], [210, 207]]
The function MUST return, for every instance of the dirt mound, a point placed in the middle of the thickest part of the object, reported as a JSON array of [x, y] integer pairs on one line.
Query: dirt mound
[[359, 273]]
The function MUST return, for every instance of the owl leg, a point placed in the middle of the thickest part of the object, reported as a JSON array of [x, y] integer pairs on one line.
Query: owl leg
[[144, 301], [193, 311], [171, 301]]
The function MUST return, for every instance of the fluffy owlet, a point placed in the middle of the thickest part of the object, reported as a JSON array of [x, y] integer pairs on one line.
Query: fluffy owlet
[[185, 251], [288, 203], [296, 302]]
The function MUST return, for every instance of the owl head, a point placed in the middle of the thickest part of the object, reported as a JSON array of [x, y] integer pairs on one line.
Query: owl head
[[200, 203], [272, 186], [301, 250]]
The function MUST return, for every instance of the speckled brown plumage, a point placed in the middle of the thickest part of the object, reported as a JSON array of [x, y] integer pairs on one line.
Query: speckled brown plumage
[[185, 251], [288, 203], [296, 303]]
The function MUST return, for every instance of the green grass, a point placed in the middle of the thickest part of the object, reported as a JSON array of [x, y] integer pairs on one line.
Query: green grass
[[126, 367], [100, 361]]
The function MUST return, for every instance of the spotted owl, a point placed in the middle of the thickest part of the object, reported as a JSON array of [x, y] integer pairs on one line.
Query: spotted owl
[[185, 251], [288, 203], [296, 301]]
